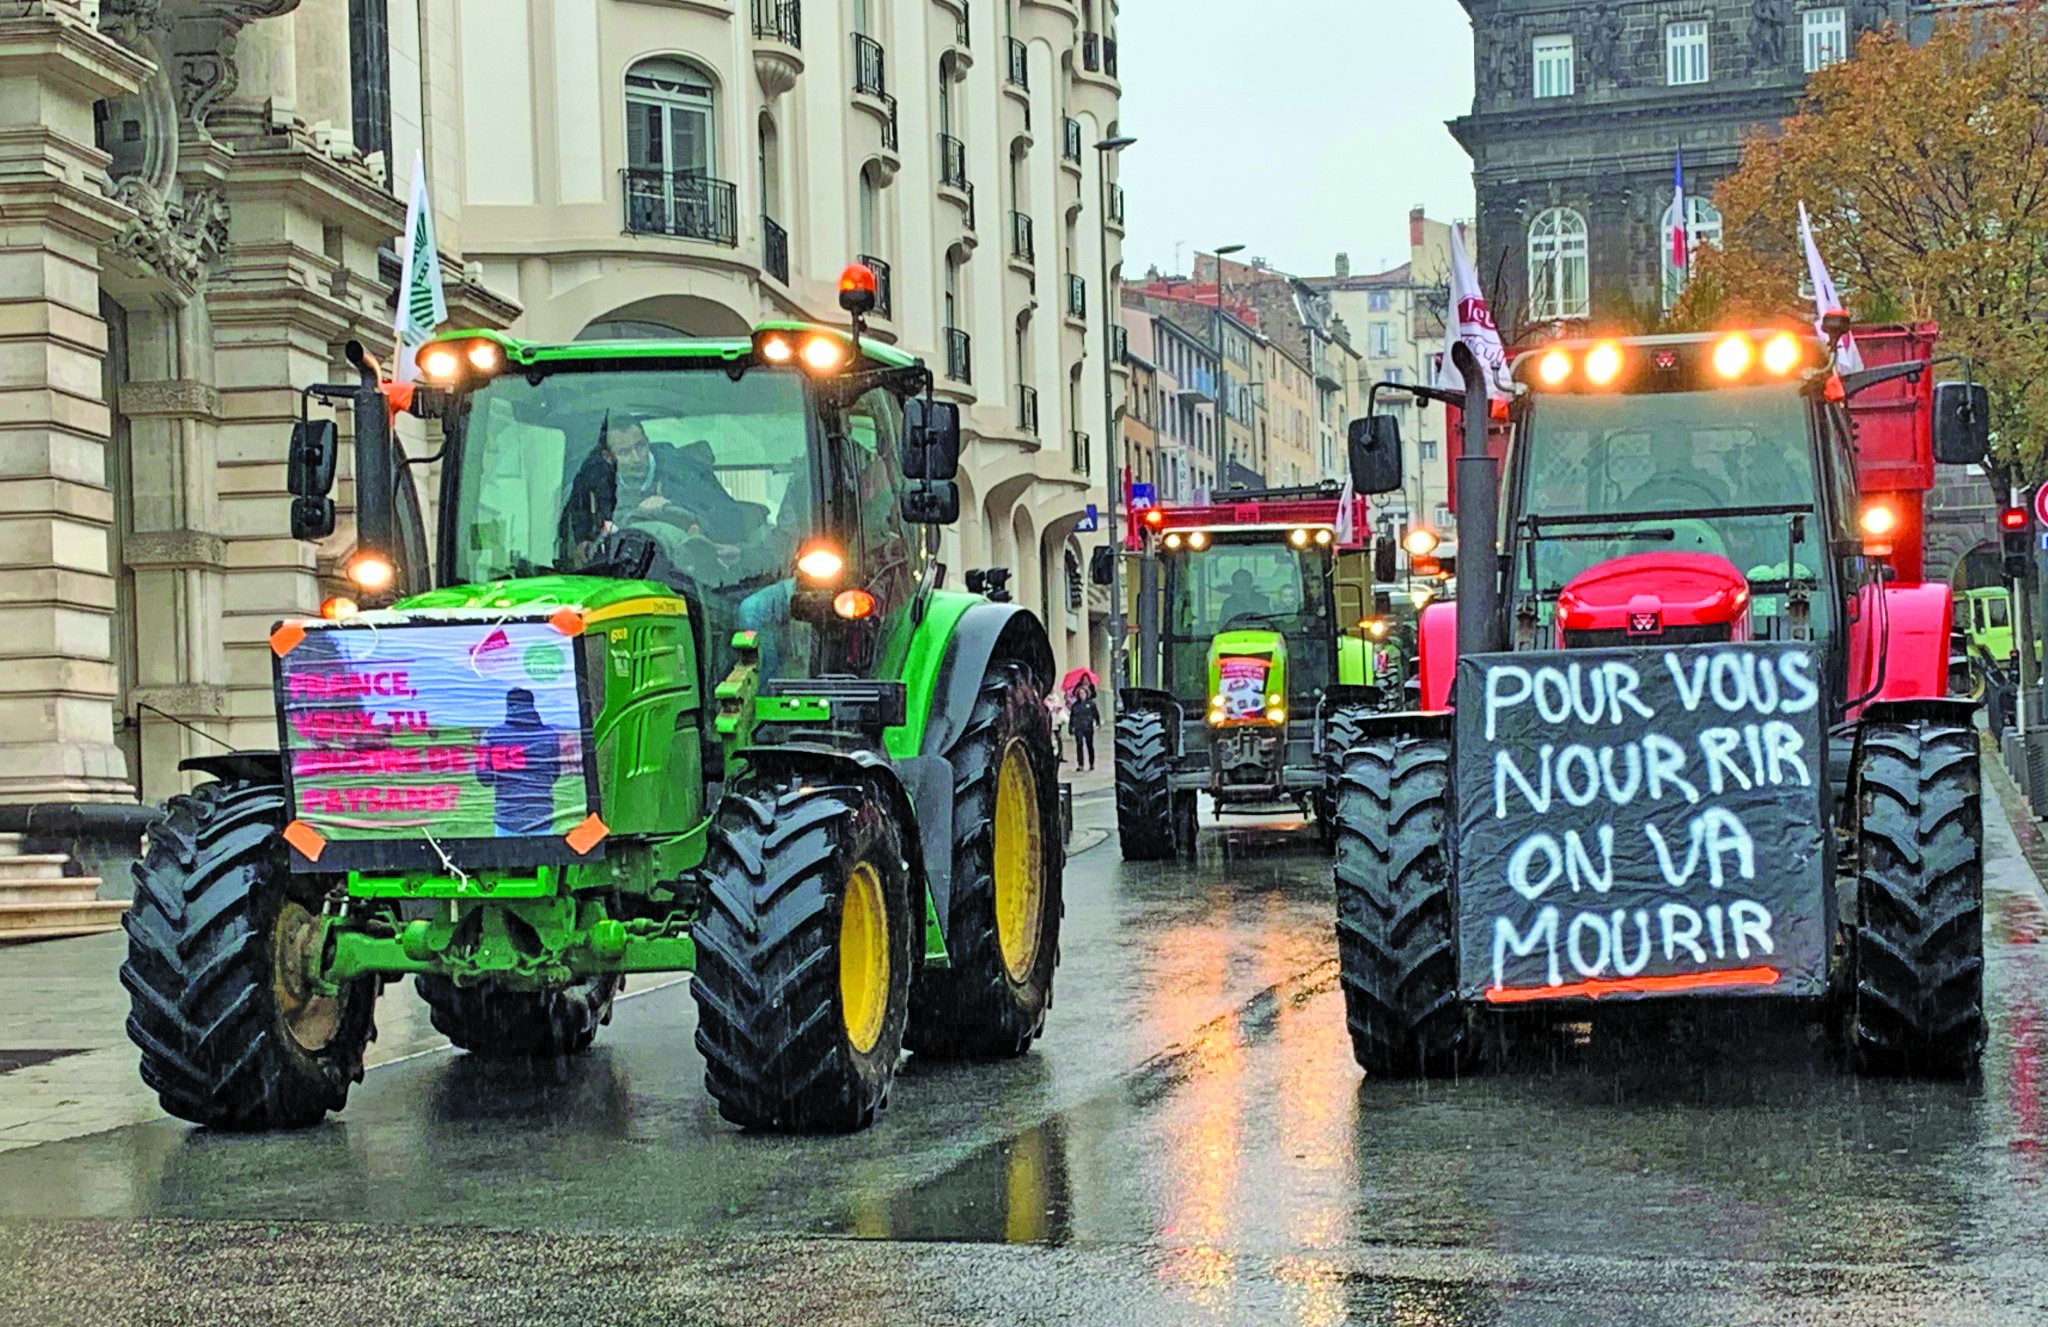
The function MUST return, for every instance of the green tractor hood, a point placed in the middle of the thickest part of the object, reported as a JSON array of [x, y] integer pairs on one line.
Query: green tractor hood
[[1247, 677]]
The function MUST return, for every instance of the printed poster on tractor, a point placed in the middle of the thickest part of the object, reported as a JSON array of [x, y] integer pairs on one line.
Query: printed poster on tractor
[[1637, 822], [422, 746]]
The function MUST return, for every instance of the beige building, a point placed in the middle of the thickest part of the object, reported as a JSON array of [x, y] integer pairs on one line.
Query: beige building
[[1289, 418], [203, 198]]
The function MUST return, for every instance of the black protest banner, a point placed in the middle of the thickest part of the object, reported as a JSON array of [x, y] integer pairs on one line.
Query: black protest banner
[[1640, 822]]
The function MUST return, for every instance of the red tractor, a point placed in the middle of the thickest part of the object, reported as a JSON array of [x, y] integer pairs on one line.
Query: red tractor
[[1689, 734]]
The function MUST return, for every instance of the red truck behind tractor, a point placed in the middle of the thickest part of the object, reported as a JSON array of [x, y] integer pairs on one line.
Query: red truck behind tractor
[[1688, 735]]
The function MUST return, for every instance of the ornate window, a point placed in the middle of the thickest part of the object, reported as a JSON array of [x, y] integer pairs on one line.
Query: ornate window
[[1685, 52], [1824, 35], [1558, 276], [1552, 60]]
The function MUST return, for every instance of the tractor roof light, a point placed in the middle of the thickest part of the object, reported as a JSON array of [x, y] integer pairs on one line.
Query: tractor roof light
[[1733, 354], [1420, 541], [1782, 353], [775, 348], [822, 355], [1603, 363], [1553, 368], [1298, 538], [485, 356], [1174, 541], [1376, 627], [1198, 540], [1877, 520], [371, 571], [821, 563], [1324, 538], [859, 288], [440, 364]]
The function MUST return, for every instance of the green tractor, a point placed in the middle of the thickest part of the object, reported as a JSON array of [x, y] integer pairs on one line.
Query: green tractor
[[678, 690]]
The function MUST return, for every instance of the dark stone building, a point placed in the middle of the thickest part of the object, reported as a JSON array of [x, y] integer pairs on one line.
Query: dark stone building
[[1579, 110]]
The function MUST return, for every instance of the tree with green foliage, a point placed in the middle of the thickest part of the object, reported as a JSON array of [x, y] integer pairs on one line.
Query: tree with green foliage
[[1925, 170]]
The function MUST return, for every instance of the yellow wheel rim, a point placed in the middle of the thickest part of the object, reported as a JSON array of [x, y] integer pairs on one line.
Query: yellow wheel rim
[[864, 958], [1019, 863], [310, 1019]]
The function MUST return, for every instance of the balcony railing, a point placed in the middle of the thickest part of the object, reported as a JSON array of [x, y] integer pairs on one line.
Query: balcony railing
[[869, 71], [1116, 203], [952, 162], [774, 249], [1077, 296], [968, 189], [1019, 62], [1020, 238], [1083, 455], [686, 204], [1027, 409], [959, 356], [1070, 139], [881, 271], [779, 20]]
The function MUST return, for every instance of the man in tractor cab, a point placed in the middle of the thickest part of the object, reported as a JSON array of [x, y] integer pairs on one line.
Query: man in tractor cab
[[677, 485], [1242, 600]]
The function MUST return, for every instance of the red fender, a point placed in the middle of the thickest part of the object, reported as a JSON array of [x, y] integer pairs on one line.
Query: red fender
[[1905, 632], [1437, 643]]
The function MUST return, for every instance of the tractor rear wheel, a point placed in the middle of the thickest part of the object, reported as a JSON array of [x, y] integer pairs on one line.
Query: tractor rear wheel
[[1144, 804], [804, 954], [1341, 731], [490, 1019], [1007, 871], [1397, 923], [1918, 998], [222, 942]]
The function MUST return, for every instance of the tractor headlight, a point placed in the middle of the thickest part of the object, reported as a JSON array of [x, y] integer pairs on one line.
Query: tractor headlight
[[1276, 714]]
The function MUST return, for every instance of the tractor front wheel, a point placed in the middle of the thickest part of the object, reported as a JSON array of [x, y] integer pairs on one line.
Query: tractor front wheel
[[1397, 922], [223, 941], [1918, 996], [1007, 871], [804, 954], [490, 1019], [1145, 820]]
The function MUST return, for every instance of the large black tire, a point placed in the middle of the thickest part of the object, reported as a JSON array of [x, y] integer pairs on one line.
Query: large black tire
[[772, 1023], [1397, 915], [1918, 1002], [230, 1033], [1343, 730], [489, 1019], [982, 1006], [1144, 804]]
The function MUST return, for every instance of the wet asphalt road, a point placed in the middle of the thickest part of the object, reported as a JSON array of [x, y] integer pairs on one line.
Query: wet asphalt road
[[1189, 1144]]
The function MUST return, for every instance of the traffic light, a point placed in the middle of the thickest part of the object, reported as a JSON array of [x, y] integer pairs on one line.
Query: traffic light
[[2013, 538]]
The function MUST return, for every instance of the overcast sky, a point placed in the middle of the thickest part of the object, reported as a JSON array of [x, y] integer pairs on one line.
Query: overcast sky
[[1296, 128]]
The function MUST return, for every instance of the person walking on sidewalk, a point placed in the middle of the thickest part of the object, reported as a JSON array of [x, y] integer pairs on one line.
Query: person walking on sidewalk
[[1082, 717]]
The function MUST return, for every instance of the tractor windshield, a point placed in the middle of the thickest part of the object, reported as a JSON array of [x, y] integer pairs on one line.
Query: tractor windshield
[[1706, 471], [1264, 586]]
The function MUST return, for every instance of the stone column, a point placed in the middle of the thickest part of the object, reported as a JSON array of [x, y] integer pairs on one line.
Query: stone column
[[57, 676]]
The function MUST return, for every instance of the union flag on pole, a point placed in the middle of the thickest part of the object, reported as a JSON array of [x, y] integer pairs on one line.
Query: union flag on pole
[[422, 304], [1826, 299], [1471, 321]]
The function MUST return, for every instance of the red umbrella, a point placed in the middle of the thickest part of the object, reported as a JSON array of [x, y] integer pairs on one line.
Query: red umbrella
[[1076, 676]]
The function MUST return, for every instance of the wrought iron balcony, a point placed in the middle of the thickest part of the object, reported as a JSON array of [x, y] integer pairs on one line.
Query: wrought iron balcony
[[1020, 238], [779, 20], [774, 249], [1070, 139], [959, 356], [1119, 343], [1019, 62], [1077, 296], [952, 162], [1027, 409], [869, 73], [881, 271], [687, 204], [1109, 56]]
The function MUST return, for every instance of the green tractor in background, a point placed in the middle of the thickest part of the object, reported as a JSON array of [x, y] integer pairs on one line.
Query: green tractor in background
[[678, 689]]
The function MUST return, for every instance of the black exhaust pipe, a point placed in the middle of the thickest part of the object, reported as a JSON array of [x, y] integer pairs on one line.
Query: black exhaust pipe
[[1479, 618], [376, 477]]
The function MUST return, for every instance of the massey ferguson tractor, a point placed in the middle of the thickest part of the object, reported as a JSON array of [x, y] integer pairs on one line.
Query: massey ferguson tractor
[[677, 689], [1255, 662], [1688, 734]]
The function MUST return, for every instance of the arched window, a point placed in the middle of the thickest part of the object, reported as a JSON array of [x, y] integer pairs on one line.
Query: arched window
[[946, 96], [669, 124], [1558, 276], [1702, 227], [770, 166], [953, 310], [865, 13], [870, 214]]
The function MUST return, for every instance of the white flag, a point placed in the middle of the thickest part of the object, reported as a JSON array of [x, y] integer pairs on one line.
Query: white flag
[[422, 305], [1347, 523], [1825, 298], [1469, 320]]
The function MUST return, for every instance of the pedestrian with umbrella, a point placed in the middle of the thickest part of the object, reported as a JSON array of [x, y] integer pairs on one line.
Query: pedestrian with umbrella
[[1083, 715]]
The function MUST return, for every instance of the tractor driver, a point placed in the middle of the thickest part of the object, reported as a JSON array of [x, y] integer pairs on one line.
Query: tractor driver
[[1243, 599], [676, 486]]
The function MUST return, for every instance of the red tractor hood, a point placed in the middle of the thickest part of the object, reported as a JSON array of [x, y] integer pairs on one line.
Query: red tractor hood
[[1647, 594]]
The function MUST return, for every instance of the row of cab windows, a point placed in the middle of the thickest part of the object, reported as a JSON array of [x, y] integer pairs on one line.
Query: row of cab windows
[[1688, 53]]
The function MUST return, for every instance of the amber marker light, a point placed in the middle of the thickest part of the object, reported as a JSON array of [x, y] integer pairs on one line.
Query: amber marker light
[[1154, 517], [1324, 538], [440, 363], [777, 350], [820, 563], [1199, 540], [853, 605], [1733, 355], [372, 572], [1877, 520], [485, 356], [1781, 353], [1420, 541], [1298, 538], [338, 607], [1173, 542], [1603, 363], [1553, 368]]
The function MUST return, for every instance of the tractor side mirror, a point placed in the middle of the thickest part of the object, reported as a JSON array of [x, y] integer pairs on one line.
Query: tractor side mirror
[[310, 460], [932, 439], [1375, 446], [1962, 422], [1384, 567], [1100, 563], [932, 502]]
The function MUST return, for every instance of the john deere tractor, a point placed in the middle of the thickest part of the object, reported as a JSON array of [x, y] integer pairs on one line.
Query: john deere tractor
[[678, 689]]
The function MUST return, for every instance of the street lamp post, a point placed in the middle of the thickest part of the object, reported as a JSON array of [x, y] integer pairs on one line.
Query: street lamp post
[[1112, 436], [1222, 374]]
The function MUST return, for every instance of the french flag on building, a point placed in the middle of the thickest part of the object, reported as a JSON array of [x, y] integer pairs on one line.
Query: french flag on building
[[1674, 220]]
